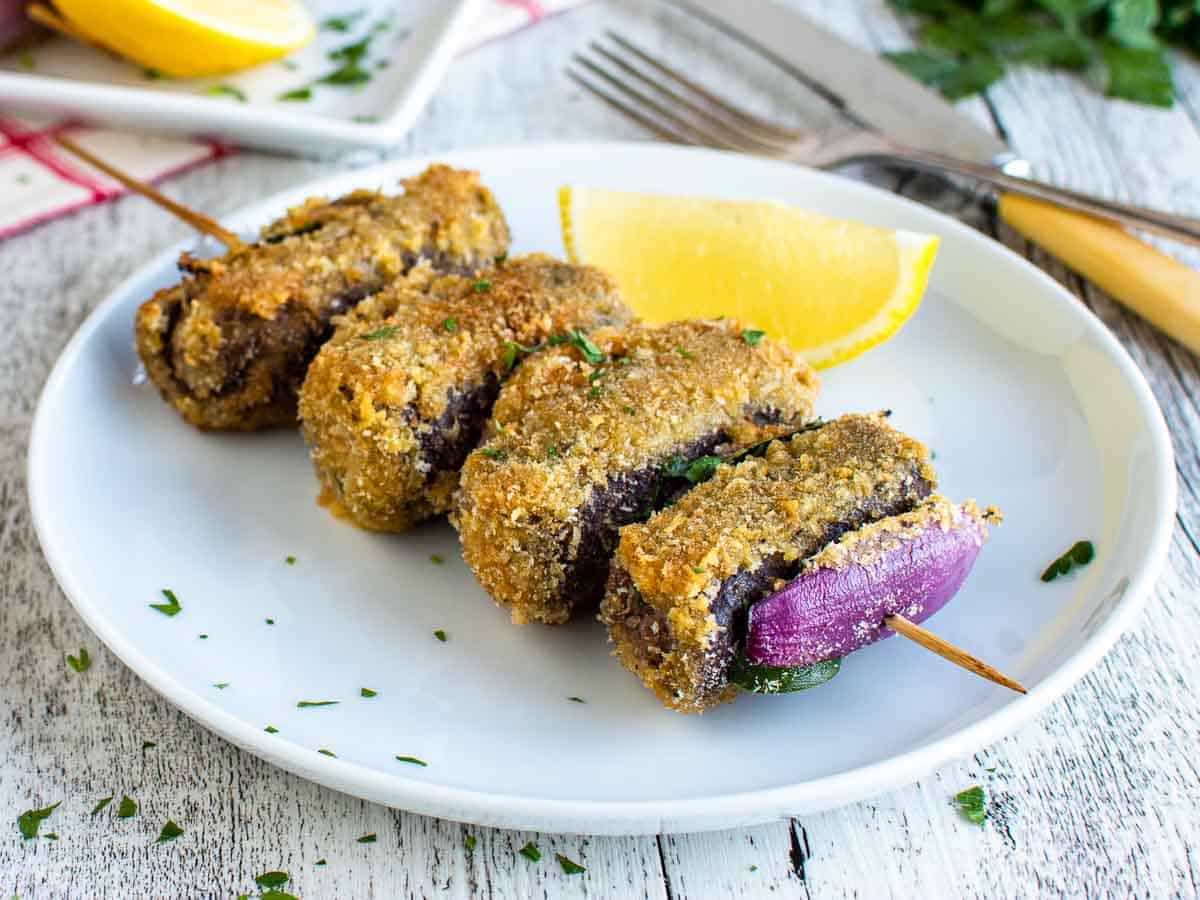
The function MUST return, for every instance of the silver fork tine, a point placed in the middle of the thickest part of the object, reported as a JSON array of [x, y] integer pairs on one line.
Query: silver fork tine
[[765, 131], [736, 132], [696, 135], [625, 109]]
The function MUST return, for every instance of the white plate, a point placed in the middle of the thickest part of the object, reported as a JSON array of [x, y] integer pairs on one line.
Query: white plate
[[63, 78], [1026, 399]]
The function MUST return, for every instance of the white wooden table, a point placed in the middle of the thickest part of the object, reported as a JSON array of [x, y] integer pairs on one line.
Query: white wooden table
[[1097, 797]]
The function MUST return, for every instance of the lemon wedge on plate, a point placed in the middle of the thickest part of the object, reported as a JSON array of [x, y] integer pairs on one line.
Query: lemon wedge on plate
[[830, 288], [186, 38]]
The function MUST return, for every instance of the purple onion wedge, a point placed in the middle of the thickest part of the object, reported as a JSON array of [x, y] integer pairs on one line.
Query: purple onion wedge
[[910, 564]]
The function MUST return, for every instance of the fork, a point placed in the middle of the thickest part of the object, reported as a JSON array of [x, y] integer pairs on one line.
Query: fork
[[678, 109]]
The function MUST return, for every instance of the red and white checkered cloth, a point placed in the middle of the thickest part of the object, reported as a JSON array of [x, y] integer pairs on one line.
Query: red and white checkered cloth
[[41, 181]]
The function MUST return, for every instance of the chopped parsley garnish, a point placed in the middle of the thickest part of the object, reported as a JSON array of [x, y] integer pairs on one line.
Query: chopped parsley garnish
[[512, 352], [531, 852], [483, 284], [469, 843], [344, 23], [593, 392], [552, 452], [227, 90], [577, 700], [272, 879], [699, 570], [597, 374], [501, 258], [171, 607], [350, 71], [412, 759], [30, 820], [385, 332], [327, 752], [366, 120], [290, 560], [754, 868], [148, 745], [440, 635], [629, 410], [203, 637], [299, 94], [80, 663], [101, 803], [583, 344], [450, 324], [1080, 554], [169, 832], [972, 803], [436, 558], [50, 836], [221, 685], [367, 692], [271, 729], [753, 337], [367, 838], [321, 862], [696, 471], [492, 453], [306, 704], [686, 354], [127, 808], [569, 866], [269, 621]]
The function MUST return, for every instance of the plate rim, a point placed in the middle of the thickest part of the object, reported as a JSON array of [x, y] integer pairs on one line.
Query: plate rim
[[615, 817]]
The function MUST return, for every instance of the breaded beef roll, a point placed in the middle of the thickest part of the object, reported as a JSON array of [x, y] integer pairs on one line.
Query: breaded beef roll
[[680, 583], [228, 347], [398, 397], [592, 435]]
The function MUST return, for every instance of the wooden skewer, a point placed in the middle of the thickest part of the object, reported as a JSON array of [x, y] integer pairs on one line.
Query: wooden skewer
[[44, 15], [199, 221], [946, 650]]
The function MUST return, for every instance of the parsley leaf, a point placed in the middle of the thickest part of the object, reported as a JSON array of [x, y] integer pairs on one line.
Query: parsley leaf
[[569, 866], [29, 821], [483, 284], [753, 337], [325, 752], [584, 345], [271, 729], [972, 803], [450, 324], [221, 685], [436, 558], [531, 852], [171, 607], [440, 635], [321, 862], [412, 759], [342, 23], [512, 352], [686, 354], [272, 879], [577, 700], [698, 470], [127, 808], [148, 745], [169, 832], [307, 704], [290, 560], [469, 843], [385, 332], [101, 803], [492, 453], [80, 663], [295, 95], [1080, 554], [227, 90], [367, 838], [367, 692]]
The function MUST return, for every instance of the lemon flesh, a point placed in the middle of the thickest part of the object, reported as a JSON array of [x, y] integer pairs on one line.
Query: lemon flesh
[[830, 288], [187, 38]]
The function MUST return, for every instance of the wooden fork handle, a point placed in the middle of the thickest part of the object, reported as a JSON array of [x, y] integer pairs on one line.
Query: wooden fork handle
[[1162, 290]]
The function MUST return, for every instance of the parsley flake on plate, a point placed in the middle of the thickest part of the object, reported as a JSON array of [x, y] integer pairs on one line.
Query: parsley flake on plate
[[270, 621], [101, 803], [295, 95], [342, 23], [171, 607], [148, 745], [412, 760], [169, 832], [29, 821], [272, 879], [227, 90], [436, 558], [325, 752], [290, 560], [321, 862], [308, 704], [1080, 554], [972, 803], [367, 838], [271, 729], [367, 692], [221, 685], [440, 635], [577, 700], [569, 866], [80, 663], [127, 808], [531, 852]]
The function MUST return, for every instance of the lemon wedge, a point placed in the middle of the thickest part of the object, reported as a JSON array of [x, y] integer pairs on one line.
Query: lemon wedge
[[830, 288], [186, 38]]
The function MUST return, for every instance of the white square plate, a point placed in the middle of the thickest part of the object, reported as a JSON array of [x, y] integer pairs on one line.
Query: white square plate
[[411, 45]]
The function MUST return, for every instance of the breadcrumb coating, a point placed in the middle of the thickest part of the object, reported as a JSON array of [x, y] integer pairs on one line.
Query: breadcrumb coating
[[229, 345], [679, 580], [399, 395], [576, 448]]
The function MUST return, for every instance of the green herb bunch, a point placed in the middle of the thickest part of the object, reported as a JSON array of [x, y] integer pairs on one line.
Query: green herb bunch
[[1119, 45]]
